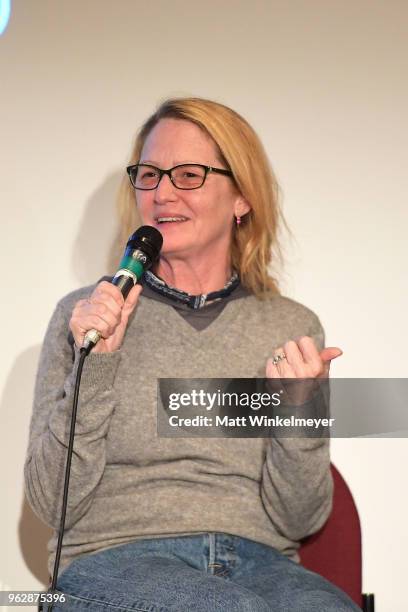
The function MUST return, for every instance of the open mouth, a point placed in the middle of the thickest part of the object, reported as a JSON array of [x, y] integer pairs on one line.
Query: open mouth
[[161, 220]]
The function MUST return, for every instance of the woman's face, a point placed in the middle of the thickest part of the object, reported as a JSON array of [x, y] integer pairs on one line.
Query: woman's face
[[208, 211]]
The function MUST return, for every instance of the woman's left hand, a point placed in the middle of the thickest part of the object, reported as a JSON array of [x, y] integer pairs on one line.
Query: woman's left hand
[[301, 359]]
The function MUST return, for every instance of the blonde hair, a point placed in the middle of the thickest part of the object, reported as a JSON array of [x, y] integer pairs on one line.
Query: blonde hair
[[255, 242]]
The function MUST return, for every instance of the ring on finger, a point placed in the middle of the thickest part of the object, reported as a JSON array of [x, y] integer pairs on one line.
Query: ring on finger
[[277, 358]]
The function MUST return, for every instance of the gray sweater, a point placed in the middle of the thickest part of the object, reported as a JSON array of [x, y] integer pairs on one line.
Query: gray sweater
[[128, 483]]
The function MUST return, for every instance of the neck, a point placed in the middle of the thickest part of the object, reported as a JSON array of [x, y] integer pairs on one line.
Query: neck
[[195, 277]]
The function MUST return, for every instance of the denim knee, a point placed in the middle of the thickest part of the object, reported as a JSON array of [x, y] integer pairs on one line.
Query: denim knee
[[239, 601], [310, 601]]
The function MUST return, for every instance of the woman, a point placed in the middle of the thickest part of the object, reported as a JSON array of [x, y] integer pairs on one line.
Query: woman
[[188, 524]]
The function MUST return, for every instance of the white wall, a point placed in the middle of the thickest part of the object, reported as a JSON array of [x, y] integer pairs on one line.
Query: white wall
[[324, 83]]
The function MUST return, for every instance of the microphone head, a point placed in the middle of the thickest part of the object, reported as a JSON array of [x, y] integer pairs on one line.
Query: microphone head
[[147, 239]]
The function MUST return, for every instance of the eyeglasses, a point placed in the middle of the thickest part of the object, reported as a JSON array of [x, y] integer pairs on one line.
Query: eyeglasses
[[183, 176]]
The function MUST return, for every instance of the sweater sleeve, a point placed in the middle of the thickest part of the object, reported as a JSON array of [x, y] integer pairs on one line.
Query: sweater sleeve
[[296, 486], [50, 424]]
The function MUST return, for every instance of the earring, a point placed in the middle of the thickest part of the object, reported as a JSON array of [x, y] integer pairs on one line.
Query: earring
[[238, 221]]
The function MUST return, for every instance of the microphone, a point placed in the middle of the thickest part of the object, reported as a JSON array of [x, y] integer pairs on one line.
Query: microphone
[[142, 249]]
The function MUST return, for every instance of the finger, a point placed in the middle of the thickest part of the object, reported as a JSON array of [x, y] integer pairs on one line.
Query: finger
[[271, 369], [80, 310], [132, 298], [278, 370], [295, 359], [104, 302], [329, 353], [112, 290], [106, 312], [104, 326], [281, 363], [104, 307], [130, 304], [81, 303], [326, 355], [310, 355]]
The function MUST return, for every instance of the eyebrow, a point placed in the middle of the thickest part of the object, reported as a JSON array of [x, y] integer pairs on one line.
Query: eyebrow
[[153, 163]]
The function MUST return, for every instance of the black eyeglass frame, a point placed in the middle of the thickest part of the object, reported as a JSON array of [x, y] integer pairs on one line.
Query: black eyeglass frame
[[207, 170]]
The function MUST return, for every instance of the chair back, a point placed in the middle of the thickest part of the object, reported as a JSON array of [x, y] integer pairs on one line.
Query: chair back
[[334, 552]]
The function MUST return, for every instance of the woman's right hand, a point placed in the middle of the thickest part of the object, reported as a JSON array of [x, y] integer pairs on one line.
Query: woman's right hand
[[107, 312]]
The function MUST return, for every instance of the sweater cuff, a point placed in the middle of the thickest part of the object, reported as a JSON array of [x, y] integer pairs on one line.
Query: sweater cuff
[[99, 369]]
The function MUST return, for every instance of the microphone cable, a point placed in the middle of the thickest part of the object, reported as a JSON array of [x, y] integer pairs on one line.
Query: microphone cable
[[84, 352]]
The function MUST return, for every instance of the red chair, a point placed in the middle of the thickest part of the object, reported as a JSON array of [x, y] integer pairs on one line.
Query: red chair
[[334, 552]]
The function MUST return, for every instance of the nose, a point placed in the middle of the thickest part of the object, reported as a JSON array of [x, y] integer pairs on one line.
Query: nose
[[165, 190]]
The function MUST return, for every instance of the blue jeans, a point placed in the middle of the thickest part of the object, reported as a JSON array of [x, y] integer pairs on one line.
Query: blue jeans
[[203, 573]]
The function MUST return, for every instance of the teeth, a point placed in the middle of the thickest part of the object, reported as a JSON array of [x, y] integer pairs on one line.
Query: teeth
[[168, 219]]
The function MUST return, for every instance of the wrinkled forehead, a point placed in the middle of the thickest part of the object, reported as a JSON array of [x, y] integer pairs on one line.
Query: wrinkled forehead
[[177, 141]]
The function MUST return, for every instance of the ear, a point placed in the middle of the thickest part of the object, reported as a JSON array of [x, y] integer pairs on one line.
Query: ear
[[241, 206]]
